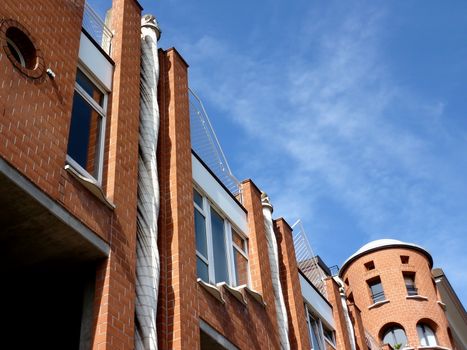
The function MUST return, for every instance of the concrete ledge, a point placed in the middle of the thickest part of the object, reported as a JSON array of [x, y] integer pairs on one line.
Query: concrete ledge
[[212, 289], [378, 304], [235, 291], [92, 187], [416, 297], [53, 207], [255, 295]]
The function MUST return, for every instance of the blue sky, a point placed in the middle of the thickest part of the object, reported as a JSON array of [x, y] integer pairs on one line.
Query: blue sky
[[350, 115]]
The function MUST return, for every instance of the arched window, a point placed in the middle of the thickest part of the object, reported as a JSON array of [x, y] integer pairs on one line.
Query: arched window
[[394, 336], [426, 335]]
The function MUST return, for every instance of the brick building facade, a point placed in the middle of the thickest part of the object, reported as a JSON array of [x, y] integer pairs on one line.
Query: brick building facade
[[69, 188]]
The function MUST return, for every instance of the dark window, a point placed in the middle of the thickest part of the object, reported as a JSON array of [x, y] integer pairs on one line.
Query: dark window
[[409, 279], [218, 242], [370, 265], [376, 290], [21, 47], [85, 140], [404, 259]]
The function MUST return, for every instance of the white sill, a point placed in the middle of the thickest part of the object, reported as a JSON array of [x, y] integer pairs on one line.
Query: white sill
[[235, 291], [443, 305], [416, 297], [434, 347], [212, 289], [90, 185], [378, 303], [254, 294]]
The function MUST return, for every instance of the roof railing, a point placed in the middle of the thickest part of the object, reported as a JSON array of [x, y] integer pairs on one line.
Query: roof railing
[[97, 28], [306, 259], [206, 145]]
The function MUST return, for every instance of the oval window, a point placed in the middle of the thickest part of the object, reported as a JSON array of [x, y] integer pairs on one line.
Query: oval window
[[21, 47]]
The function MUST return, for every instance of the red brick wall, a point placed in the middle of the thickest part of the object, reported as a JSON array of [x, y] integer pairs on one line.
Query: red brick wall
[[115, 296], [298, 330], [35, 113], [178, 326], [399, 309], [35, 116], [250, 326], [334, 298]]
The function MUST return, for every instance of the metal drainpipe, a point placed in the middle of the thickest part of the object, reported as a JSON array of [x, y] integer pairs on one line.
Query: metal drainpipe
[[147, 253], [273, 254]]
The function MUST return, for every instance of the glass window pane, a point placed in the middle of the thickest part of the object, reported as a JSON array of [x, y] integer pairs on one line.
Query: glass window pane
[[241, 268], [218, 245], [394, 336], [90, 88], [426, 335], [377, 292], [202, 269], [200, 232], [198, 199], [316, 343], [399, 336], [238, 240], [84, 136]]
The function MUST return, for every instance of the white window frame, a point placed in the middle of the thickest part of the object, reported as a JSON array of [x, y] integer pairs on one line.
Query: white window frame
[[322, 338], [426, 338], [102, 111], [229, 244]]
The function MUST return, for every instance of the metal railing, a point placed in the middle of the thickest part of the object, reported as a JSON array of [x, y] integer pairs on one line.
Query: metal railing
[[306, 260], [206, 145], [97, 28]]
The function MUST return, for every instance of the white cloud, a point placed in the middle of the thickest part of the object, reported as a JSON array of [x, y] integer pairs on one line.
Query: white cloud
[[329, 119]]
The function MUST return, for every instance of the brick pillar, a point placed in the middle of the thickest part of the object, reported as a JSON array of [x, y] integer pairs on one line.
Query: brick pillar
[[334, 297], [298, 331], [359, 330], [260, 269], [115, 287], [177, 318]]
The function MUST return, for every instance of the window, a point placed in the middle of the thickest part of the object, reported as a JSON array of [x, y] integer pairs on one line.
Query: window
[[329, 335], [376, 289], [409, 279], [404, 259], [87, 128], [370, 265], [21, 47], [221, 250], [316, 333], [319, 332], [395, 336], [426, 335]]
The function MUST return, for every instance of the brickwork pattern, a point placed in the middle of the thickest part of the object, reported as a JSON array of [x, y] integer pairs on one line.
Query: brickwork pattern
[[35, 116], [400, 309], [334, 298], [115, 296], [298, 330], [178, 325]]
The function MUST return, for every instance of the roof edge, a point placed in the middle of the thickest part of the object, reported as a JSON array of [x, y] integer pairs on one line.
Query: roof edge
[[399, 244]]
